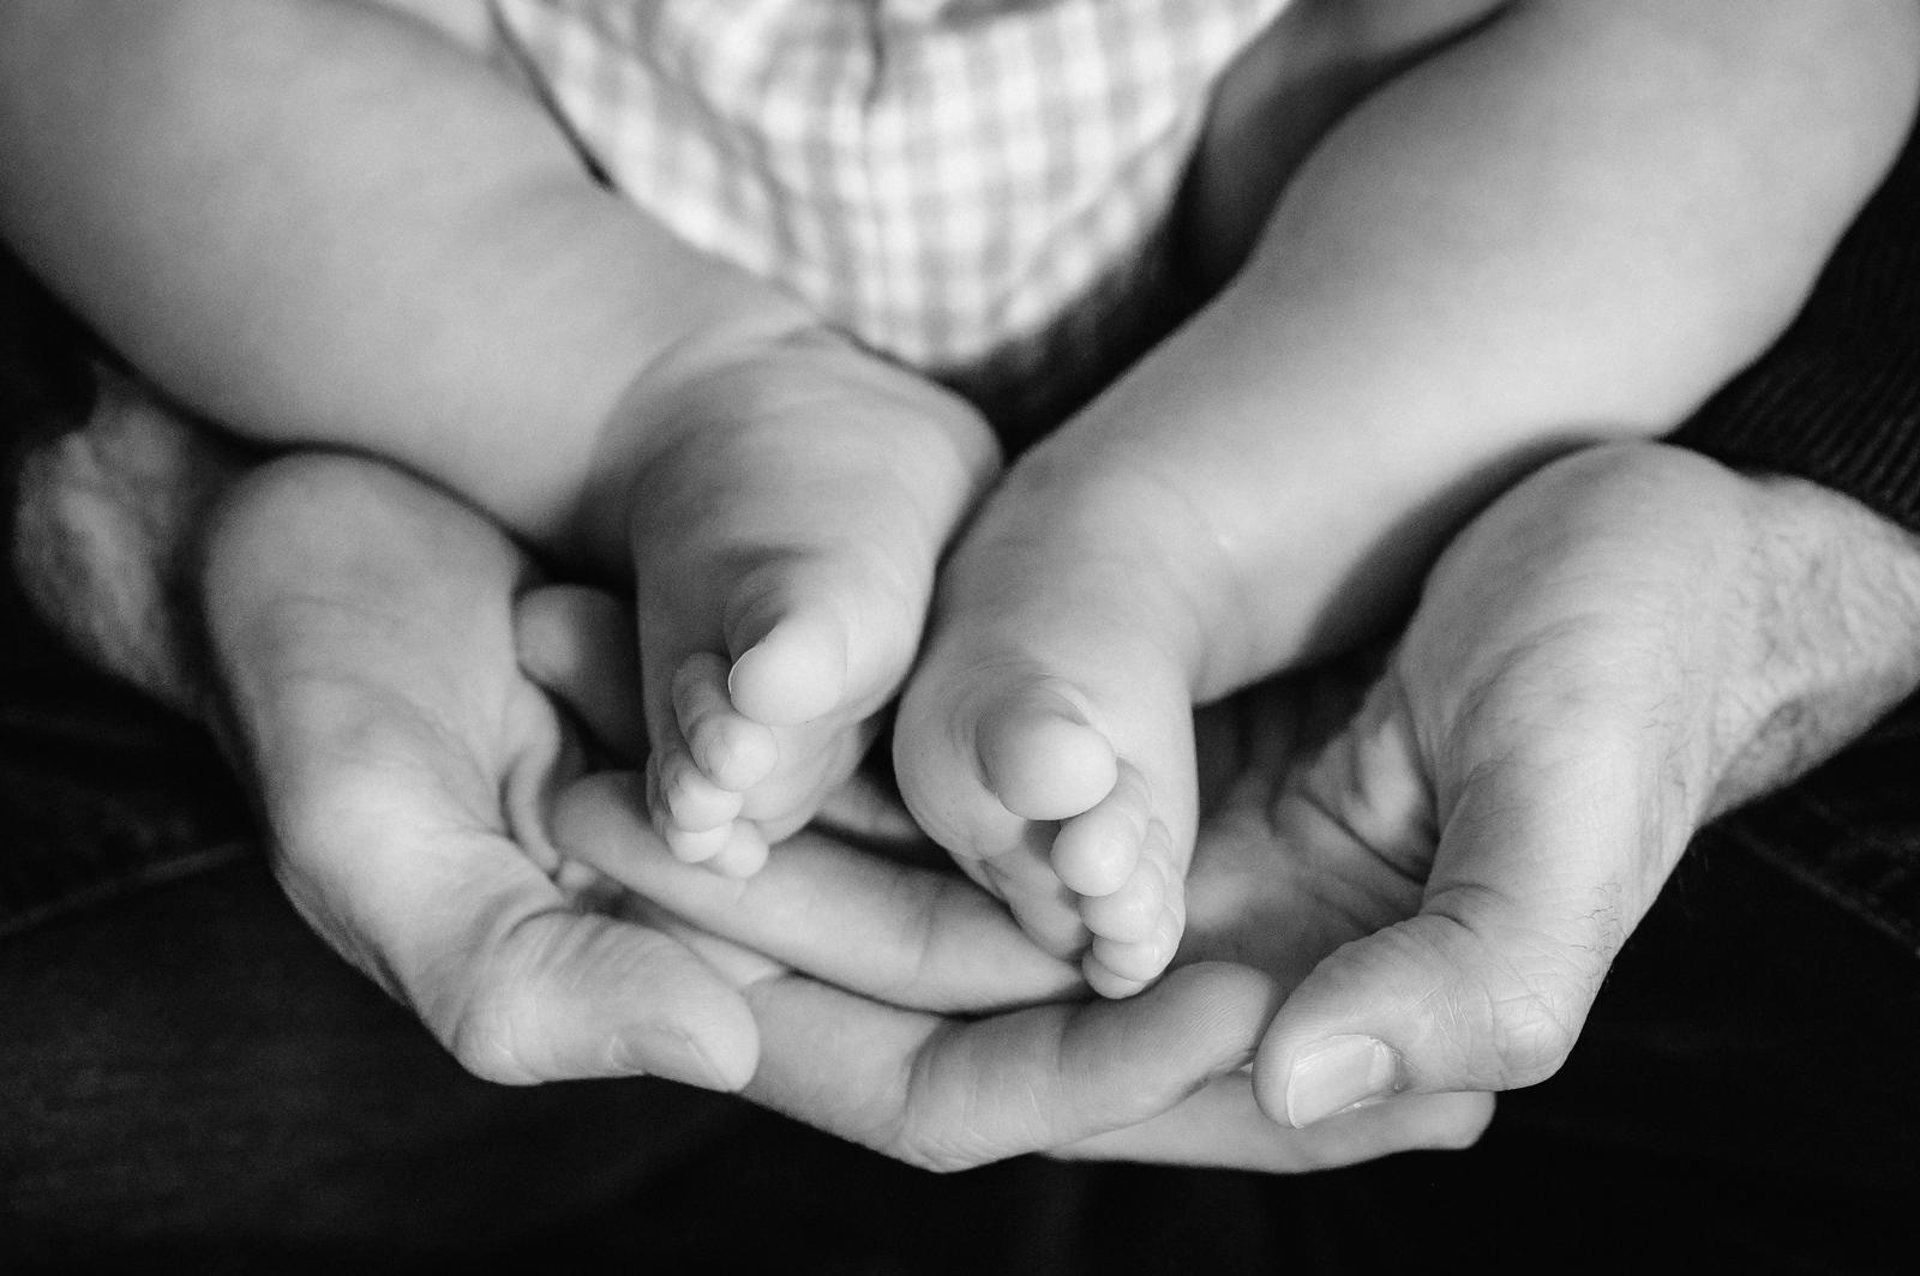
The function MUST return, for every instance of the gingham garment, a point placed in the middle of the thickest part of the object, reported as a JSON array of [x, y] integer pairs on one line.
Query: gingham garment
[[973, 187]]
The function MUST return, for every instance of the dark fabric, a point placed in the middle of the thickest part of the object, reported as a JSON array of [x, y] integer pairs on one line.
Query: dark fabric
[[1851, 830], [190, 1079], [1837, 400]]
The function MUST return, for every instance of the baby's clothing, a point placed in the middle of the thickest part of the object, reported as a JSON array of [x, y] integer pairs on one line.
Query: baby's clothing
[[976, 188]]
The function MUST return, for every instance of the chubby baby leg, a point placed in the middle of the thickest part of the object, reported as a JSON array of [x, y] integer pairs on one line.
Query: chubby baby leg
[[1140, 559], [785, 537]]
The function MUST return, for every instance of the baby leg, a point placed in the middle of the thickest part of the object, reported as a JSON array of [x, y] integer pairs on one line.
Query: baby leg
[[785, 539], [1127, 568]]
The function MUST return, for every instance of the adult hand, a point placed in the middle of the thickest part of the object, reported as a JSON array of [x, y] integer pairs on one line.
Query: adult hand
[[361, 628], [1627, 644]]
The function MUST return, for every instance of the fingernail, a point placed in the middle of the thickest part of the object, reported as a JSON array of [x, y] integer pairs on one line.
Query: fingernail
[[1337, 1073]]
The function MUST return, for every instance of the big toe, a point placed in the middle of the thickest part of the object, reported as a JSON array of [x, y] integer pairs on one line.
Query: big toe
[[730, 749], [1041, 756], [793, 669]]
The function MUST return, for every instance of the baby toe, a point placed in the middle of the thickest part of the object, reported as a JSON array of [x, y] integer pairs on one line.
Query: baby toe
[[1115, 969], [1040, 755], [1045, 910], [792, 664], [734, 752], [1130, 914], [1098, 852], [743, 854], [688, 800], [697, 846]]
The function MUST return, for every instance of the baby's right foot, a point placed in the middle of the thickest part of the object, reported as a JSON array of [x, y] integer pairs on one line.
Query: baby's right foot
[[785, 536]]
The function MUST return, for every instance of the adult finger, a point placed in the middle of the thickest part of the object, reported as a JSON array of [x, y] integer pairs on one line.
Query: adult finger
[[1156, 1078], [578, 643], [947, 1094], [1223, 1125], [913, 936]]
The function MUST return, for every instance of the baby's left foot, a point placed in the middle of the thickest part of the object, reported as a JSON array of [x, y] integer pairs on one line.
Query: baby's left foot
[[1046, 738]]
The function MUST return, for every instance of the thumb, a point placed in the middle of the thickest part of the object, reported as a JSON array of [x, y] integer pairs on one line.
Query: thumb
[[1547, 857]]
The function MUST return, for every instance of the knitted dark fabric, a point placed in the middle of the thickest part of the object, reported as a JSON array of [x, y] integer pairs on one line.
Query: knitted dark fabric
[[1837, 400]]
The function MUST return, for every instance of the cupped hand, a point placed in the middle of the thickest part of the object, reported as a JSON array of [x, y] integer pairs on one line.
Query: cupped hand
[[362, 628], [1625, 645]]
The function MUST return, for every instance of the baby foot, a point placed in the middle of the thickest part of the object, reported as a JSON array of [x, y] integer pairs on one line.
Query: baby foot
[[1046, 739], [785, 533]]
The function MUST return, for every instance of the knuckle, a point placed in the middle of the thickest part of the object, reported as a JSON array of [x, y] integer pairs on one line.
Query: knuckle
[[1513, 1006], [918, 1158], [496, 1026], [490, 1037], [1528, 1034], [932, 1155], [931, 1136]]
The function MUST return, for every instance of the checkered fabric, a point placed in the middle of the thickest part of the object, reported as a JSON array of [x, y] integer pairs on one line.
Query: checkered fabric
[[973, 187]]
